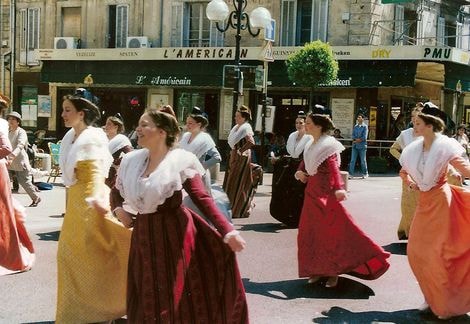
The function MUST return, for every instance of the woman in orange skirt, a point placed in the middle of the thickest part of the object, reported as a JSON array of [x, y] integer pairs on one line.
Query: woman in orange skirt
[[439, 238]]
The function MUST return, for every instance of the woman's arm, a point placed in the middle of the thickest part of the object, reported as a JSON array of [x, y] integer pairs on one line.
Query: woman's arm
[[5, 145], [214, 158], [249, 143], [408, 180], [462, 166], [198, 194], [395, 150]]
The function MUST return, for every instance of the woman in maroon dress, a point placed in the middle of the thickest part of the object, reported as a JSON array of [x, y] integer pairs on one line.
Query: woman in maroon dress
[[181, 269], [329, 241]]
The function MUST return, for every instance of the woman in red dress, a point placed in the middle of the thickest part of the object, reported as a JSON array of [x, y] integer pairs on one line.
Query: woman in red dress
[[329, 241], [181, 269]]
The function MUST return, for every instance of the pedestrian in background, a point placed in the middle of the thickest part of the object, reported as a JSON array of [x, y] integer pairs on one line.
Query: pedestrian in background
[[439, 238], [119, 145], [181, 269], [16, 248], [329, 241], [409, 198], [359, 147], [93, 250], [18, 160], [287, 193], [462, 138], [241, 177]]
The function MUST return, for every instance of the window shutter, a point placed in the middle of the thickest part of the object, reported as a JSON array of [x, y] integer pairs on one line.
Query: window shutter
[[216, 37], [458, 35], [399, 24], [323, 19], [287, 23], [441, 31], [465, 34], [23, 29], [122, 24], [33, 28], [176, 24]]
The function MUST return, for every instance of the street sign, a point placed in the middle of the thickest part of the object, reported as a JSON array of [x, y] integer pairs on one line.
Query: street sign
[[268, 52], [270, 31]]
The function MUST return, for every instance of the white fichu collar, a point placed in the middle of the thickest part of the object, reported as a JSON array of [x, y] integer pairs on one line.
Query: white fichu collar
[[294, 147], [145, 195], [200, 144], [316, 153], [239, 132], [443, 149], [91, 144]]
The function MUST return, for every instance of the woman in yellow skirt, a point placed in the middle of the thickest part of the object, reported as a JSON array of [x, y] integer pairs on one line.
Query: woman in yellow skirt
[[93, 249]]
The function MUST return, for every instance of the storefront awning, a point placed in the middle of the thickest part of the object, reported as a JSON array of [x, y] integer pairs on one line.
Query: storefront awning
[[357, 74]]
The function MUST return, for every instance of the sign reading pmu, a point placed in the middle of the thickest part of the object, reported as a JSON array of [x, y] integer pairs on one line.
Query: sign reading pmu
[[249, 75], [437, 53]]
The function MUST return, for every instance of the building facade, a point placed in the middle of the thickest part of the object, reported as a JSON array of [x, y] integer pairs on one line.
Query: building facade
[[133, 54]]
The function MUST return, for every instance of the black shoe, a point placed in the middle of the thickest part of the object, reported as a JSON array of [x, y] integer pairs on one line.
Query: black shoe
[[35, 202], [14, 190]]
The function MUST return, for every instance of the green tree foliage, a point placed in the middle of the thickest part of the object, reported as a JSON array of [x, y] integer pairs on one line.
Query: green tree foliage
[[313, 65]]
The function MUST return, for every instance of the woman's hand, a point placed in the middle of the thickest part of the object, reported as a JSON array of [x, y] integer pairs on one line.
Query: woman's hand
[[301, 176], [124, 217], [413, 186], [236, 243], [100, 207], [341, 195]]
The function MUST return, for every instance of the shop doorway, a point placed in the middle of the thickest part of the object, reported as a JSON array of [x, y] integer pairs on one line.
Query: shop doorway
[[130, 103], [288, 107]]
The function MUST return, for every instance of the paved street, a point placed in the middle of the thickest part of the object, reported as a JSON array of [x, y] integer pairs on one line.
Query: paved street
[[268, 266]]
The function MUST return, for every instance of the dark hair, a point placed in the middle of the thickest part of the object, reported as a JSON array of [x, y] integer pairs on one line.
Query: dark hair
[[199, 116], [117, 122], [324, 121], [245, 112], [437, 123], [91, 111], [168, 109], [166, 122]]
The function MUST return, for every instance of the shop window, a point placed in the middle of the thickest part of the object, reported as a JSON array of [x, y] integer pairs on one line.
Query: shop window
[[29, 35], [29, 106], [191, 28], [303, 21], [118, 26]]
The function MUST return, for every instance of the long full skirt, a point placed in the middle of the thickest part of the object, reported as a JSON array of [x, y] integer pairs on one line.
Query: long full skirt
[[16, 248], [240, 183], [181, 271], [439, 249], [287, 192], [92, 256], [330, 243], [409, 200]]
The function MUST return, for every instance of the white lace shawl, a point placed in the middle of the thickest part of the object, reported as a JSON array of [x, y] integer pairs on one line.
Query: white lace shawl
[[202, 143], [144, 195], [406, 137], [294, 147], [91, 144], [239, 132], [118, 142], [316, 153], [443, 149]]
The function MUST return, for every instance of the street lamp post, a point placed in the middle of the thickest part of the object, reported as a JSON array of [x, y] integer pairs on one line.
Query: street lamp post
[[238, 19]]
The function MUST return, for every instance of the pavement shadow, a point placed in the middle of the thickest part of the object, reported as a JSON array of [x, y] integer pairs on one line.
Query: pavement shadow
[[342, 315], [299, 288], [396, 248], [49, 236], [263, 227]]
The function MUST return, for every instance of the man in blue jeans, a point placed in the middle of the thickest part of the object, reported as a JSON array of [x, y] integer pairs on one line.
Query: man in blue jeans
[[359, 147]]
